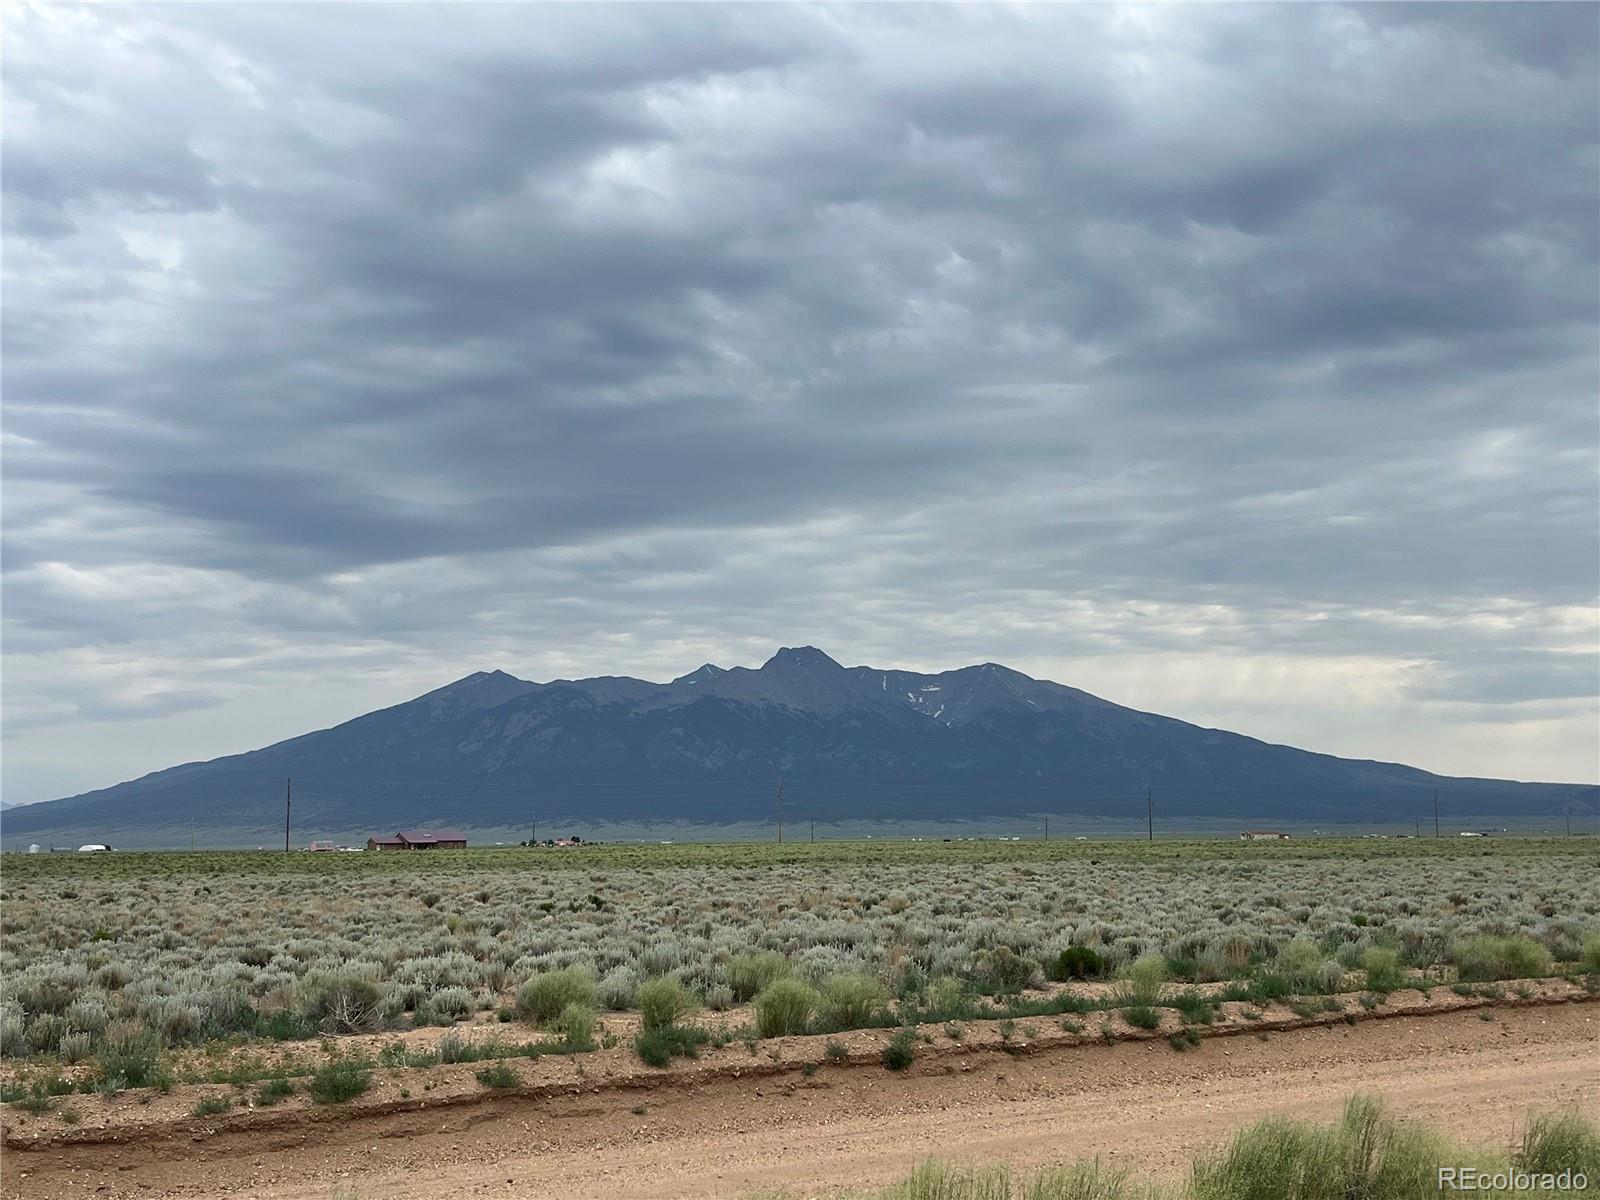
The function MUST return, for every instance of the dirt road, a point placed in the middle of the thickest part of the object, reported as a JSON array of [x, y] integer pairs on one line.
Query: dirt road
[[1139, 1104]]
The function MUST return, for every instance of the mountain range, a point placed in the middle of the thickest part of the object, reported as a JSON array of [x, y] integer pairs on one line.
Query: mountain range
[[494, 752]]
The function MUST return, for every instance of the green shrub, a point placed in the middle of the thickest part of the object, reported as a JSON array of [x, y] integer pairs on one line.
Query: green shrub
[[340, 1080], [542, 998], [1077, 962], [1489, 958], [1196, 1007], [661, 1045], [1005, 970], [852, 1001], [1557, 1142], [750, 973], [784, 1007], [576, 1024], [1264, 988], [284, 1026], [272, 1091], [948, 1000], [135, 1061], [210, 1106], [901, 1050], [1141, 1016], [1144, 981], [338, 1002], [500, 1077], [1382, 966], [836, 1050], [662, 1001], [37, 1101], [1302, 963], [1591, 953]]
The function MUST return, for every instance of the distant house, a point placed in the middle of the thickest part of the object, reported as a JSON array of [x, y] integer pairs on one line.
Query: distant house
[[1263, 835], [420, 839], [322, 846]]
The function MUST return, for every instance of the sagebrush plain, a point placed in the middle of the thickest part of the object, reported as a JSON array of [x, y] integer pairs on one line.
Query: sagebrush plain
[[182, 949]]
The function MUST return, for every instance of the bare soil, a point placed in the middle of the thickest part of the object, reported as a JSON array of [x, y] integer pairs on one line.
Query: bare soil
[[601, 1125]]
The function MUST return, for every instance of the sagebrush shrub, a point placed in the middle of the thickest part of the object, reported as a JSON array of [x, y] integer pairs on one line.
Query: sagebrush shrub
[[786, 1006], [542, 998], [750, 973], [1007, 971], [336, 1002], [1489, 958], [618, 987]]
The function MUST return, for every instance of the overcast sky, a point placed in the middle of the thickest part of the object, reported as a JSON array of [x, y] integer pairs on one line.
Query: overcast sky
[[1233, 363]]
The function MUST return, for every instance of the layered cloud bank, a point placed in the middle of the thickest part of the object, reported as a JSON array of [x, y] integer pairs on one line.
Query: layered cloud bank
[[1238, 363]]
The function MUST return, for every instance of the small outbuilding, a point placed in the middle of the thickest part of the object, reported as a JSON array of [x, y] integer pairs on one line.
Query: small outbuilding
[[1263, 835]]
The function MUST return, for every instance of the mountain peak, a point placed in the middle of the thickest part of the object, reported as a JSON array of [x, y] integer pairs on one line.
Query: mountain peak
[[800, 656], [481, 689], [702, 673]]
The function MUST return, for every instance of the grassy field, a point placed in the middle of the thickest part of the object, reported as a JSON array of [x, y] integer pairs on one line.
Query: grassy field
[[138, 864], [174, 949]]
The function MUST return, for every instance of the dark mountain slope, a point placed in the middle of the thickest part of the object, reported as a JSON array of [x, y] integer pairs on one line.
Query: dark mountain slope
[[850, 743]]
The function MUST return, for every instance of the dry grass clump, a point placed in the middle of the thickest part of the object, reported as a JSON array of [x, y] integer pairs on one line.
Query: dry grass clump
[[1368, 1155]]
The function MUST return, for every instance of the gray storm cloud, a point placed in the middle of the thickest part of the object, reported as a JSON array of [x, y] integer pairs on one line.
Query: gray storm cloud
[[1239, 363]]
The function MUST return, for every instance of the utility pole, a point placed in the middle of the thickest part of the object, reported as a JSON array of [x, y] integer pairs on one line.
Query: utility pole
[[1149, 815], [533, 814], [1419, 826], [1569, 822], [288, 803], [780, 810], [1435, 812], [814, 830], [1047, 829]]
